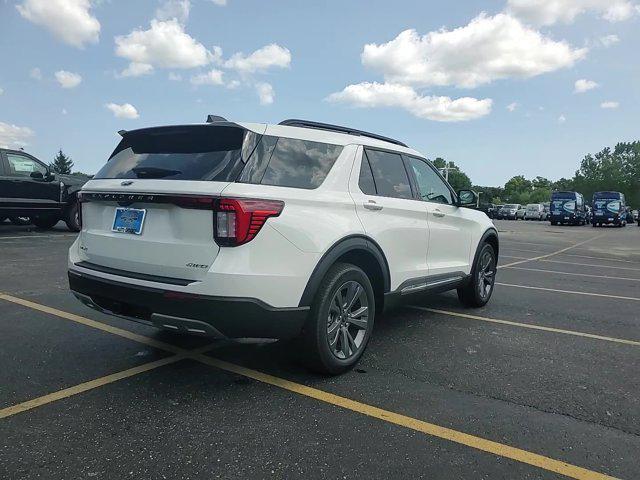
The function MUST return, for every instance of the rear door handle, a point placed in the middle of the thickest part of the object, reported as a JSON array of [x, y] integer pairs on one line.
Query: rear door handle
[[372, 205], [438, 213]]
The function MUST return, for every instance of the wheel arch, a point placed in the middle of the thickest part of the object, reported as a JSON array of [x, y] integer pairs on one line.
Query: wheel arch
[[361, 251], [490, 236]]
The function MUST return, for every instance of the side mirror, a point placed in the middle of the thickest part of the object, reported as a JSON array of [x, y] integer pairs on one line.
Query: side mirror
[[467, 198], [49, 176], [37, 175]]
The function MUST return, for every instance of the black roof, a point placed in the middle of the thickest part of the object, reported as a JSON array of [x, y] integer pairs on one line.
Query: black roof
[[294, 122]]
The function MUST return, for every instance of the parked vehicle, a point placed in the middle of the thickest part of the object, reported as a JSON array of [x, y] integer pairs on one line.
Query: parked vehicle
[[609, 208], [547, 210], [32, 193], [636, 216], [520, 214], [510, 211], [497, 212], [534, 211], [567, 207], [297, 230]]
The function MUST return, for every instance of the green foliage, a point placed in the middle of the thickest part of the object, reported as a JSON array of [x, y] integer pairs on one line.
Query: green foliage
[[617, 170], [61, 163], [457, 178]]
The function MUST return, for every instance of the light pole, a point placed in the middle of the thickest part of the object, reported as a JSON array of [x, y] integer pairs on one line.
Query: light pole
[[445, 170]]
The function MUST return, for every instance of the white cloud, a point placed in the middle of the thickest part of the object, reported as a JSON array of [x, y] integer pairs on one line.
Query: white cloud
[[126, 110], [562, 119], [136, 70], [174, 9], [212, 77], [584, 85], [442, 109], [165, 45], [1, 90], [548, 12], [14, 136], [610, 105], [175, 77], [67, 79], [266, 94], [35, 73], [69, 20], [263, 59], [512, 106], [233, 84], [64, 111], [220, 3], [487, 49], [609, 40]]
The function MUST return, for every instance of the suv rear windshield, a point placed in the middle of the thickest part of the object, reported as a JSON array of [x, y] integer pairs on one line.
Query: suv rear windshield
[[220, 153]]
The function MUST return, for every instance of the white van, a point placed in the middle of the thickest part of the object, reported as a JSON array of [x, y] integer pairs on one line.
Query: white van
[[534, 211]]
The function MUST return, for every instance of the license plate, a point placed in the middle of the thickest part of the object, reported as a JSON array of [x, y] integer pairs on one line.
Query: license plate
[[128, 220], [566, 218]]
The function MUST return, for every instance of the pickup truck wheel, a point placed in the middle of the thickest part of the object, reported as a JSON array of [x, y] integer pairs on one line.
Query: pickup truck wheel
[[340, 321], [20, 220], [45, 222], [72, 218], [483, 276]]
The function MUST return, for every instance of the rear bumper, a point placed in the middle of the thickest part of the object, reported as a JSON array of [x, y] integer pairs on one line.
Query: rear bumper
[[190, 313]]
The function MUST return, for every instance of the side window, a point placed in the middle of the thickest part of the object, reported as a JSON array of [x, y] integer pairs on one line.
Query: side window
[[300, 163], [389, 174], [366, 182], [23, 166], [431, 186]]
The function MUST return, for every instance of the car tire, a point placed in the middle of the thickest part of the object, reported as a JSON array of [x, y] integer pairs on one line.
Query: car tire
[[45, 222], [322, 351], [72, 218], [477, 292]]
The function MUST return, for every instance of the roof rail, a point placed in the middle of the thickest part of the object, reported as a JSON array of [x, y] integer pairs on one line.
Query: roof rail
[[294, 122]]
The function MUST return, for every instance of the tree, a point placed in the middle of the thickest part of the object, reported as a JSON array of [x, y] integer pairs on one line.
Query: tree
[[457, 178], [61, 163], [518, 189], [616, 170]]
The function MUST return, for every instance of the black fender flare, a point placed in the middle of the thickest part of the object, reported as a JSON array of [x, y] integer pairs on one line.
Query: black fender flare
[[491, 232], [345, 245]]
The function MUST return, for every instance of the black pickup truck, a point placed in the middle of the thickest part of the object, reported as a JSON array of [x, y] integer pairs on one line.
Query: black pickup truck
[[28, 188]]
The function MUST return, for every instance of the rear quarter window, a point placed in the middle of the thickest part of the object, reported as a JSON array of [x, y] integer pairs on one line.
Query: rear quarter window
[[288, 162]]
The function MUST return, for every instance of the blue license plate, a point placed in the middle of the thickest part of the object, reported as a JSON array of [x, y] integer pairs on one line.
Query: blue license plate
[[128, 220]]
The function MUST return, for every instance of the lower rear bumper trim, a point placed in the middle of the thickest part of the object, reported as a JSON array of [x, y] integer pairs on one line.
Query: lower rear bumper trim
[[213, 316]]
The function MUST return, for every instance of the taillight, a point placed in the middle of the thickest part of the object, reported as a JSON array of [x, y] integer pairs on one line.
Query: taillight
[[237, 221], [81, 198]]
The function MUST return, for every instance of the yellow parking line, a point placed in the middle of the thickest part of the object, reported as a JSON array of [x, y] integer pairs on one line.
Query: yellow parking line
[[575, 274], [92, 323], [529, 325], [438, 431], [98, 382], [619, 297], [591, 265], [445, 433], [83, 387], [547, 255]]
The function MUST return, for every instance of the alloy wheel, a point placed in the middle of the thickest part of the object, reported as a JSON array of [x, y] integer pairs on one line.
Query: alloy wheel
[[347, 323], [486, 274]]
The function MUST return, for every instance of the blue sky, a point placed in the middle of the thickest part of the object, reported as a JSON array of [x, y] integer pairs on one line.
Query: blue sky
[[77, 71]]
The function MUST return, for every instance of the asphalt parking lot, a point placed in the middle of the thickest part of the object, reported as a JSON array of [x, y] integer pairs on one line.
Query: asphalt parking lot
[[543, 382]]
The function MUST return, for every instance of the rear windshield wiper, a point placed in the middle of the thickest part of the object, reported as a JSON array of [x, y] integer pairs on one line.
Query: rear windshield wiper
[[154, 172]]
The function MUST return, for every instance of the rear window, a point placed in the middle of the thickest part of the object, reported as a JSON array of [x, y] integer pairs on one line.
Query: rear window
[[189, 153], [220, 153]]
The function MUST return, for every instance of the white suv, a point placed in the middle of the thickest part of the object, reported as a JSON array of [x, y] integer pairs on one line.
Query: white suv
[[297, 230]]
